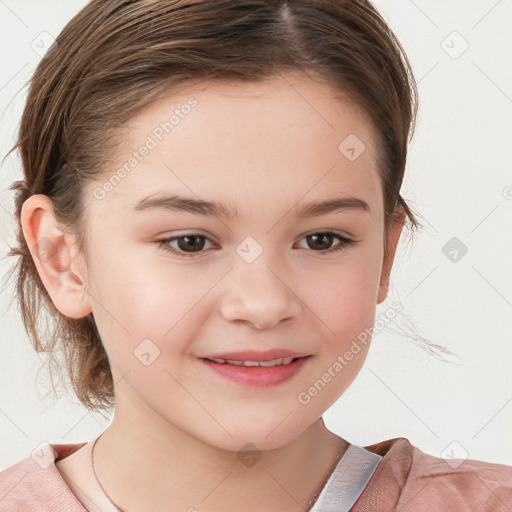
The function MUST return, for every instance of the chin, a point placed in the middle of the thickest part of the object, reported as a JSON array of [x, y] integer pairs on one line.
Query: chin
[[257, 437]]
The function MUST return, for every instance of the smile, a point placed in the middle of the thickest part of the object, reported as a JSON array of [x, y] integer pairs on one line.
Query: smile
[[257, 373], [273, 362]]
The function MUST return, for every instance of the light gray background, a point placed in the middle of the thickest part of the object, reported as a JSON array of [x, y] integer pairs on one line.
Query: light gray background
[[458, 179]]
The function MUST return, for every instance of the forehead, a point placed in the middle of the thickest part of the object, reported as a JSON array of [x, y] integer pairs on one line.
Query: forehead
[[239, 143]]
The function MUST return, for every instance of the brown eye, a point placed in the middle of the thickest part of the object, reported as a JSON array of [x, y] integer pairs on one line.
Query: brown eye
[[191, 243], [322, 241], [187, 245]]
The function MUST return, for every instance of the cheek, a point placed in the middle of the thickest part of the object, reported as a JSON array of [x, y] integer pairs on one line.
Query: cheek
[[343, 296], [136, 302]]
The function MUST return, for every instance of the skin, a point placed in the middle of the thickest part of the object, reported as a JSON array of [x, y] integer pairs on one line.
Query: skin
[[178, 427]]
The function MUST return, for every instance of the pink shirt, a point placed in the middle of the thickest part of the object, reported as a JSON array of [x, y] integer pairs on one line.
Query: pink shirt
[[406, 479]]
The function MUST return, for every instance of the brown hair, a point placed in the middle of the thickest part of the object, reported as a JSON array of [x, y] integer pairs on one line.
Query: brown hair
[[114, 57]]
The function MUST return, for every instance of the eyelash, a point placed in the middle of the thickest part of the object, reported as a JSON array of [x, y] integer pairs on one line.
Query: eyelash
[[344, 243]]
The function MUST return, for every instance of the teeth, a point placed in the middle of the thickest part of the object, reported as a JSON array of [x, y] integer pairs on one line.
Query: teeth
[[248, 363], [274, 362], [277, 362]]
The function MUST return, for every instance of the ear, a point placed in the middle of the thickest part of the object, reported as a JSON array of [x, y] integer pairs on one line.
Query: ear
[[53, 252], [395, 229]]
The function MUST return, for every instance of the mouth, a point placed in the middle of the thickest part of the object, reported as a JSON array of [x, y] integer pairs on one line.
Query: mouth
[[257, 373], [283, 361], [255, 356]]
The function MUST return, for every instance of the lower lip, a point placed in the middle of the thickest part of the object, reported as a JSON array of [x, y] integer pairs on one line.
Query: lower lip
[[257, 375]]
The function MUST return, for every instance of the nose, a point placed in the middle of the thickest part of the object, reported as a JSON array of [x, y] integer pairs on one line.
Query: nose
[[260, 296]]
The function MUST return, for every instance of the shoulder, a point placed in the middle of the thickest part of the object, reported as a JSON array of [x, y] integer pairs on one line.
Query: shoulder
[[410, 479], [35, 483]]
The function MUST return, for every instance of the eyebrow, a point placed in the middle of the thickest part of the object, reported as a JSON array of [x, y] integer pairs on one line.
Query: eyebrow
[[192, 205]]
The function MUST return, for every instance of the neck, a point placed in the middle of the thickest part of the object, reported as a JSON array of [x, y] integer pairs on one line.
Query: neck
[[150, 464]]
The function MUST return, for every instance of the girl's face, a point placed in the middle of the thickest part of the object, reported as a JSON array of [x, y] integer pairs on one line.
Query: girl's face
[[247, 276]]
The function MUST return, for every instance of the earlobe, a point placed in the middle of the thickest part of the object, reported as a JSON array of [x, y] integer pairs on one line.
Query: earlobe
[[52, 254], [392, 241]]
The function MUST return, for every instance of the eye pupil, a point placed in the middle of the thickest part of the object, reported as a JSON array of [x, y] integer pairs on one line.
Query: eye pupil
[[194, 246], [315, 238]]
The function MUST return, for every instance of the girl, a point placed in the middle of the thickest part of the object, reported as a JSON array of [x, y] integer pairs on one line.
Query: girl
[[210, 210]]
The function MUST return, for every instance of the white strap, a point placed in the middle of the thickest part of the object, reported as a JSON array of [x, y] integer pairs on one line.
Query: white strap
[[347, 481]]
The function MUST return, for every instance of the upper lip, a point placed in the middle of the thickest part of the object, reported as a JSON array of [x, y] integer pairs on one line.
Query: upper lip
[[257, 355]]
